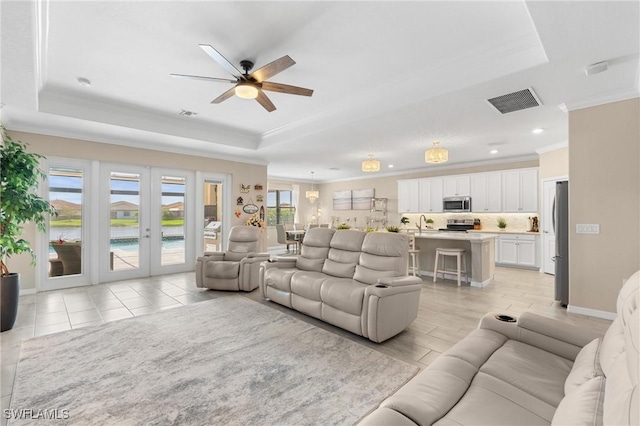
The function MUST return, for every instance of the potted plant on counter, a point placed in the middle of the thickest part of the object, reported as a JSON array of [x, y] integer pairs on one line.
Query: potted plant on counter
[[502, 224], [429, 223], [20, 175]]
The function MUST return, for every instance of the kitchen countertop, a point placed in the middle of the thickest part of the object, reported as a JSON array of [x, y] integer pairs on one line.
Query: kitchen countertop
[[503, 232]]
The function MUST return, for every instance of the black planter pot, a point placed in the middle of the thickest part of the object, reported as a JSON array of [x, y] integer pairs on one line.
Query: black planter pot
[[9, 293]]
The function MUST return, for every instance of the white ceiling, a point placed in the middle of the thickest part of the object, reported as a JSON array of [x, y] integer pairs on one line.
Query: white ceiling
[[389, 77]]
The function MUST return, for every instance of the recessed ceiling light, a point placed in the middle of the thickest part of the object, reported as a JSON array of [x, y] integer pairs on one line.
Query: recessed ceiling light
[[334, 168], [84, 82], [390, 166], [536, 131], [494, 151]]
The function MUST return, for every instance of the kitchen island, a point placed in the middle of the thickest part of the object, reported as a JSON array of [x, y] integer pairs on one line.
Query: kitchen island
[[480, 253]]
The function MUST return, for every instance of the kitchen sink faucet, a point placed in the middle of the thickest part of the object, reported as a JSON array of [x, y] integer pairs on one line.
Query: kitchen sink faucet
[[419, 226]]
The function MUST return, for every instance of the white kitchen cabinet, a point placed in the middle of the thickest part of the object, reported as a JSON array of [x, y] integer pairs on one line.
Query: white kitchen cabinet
[[456, 186], [430, 199], [518, 250], [486, 192], [520, 191], [408, 196]]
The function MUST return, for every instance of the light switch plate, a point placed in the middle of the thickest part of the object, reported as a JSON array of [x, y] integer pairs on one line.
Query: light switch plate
[[587, 228]]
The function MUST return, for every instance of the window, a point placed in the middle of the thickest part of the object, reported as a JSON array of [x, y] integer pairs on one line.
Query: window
[[280, 208]]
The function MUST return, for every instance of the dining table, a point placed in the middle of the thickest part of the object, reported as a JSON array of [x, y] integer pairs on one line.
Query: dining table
[[298, 235]]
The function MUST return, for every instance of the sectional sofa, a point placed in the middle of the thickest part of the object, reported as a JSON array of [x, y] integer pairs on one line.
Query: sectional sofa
[[351, 279], [532, 371]]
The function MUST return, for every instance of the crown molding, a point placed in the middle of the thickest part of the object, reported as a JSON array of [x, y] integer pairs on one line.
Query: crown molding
[[621, 95], [554, 147]]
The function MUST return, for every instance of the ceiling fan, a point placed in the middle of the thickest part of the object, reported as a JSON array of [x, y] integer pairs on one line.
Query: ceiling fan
[[250, 86]]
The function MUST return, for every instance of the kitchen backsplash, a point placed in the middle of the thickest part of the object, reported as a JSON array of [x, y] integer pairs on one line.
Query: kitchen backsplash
[[488, 221]]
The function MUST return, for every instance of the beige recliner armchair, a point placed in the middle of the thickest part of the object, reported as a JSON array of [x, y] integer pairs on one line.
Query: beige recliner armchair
[[234, 269]]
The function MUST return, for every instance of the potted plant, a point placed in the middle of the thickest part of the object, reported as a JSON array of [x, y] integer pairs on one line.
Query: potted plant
[[20, 175], [404, 220], [502, 224], [429, 223], [343, 226], [393, 229]]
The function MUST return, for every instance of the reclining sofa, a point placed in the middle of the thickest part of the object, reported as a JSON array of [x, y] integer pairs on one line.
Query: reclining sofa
[[351, 279], [534, 371]]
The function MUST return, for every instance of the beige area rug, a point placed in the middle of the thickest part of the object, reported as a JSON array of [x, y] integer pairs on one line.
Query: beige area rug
[[228, 361]]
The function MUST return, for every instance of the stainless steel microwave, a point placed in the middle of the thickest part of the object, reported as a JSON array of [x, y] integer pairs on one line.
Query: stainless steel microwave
[[456, 204]]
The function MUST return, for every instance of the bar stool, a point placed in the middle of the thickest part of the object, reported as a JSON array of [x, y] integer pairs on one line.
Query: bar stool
[[459, 254], [414, 256]]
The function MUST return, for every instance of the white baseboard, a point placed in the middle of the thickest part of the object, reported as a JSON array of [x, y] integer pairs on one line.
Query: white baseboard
[[27, 291], [591, 312]]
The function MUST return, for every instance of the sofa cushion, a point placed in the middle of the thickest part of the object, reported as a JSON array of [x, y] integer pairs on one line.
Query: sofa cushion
[[384, 254], [533, 370], [344, 294], [339, 269], [490, 401], [344, 253], [307, 284], [315, 248], [222, 269], [279, 278], [348, 240], [586, 366], [433, 392], [583, 407]]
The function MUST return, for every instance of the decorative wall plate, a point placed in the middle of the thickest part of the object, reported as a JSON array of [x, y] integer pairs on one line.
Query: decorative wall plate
[[239, 201], [250, 208], [258, 187], [244, 188], [259, 198]]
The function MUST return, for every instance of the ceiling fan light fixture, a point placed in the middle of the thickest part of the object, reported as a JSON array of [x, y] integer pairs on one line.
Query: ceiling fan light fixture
[[436, 155], [246, 90], [370, 165]]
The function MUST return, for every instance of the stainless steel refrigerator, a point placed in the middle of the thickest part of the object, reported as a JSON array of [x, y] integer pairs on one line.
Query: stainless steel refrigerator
[[561, 229]]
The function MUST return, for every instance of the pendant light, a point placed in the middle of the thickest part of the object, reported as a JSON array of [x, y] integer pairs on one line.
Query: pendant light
[[370, 165], [436, 155], [312, 195]]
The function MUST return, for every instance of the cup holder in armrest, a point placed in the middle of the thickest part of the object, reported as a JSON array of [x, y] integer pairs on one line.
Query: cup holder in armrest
[[382, 285], [505, 318]]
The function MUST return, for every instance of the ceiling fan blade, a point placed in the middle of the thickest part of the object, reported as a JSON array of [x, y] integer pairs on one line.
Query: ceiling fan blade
[[273, 68], [226, 95], [222, 61], [265, 101], [199, 77], [285, 88]]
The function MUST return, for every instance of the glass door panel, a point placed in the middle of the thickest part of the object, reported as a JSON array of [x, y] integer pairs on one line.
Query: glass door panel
[[173, 220], [124, 221], [212, 198], [65, 229]]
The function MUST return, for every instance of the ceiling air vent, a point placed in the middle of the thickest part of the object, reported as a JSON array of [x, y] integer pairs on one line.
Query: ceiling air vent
[[515, 101], [187, 113]]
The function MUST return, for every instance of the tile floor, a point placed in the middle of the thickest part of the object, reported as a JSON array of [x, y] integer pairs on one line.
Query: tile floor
[[447, 312]]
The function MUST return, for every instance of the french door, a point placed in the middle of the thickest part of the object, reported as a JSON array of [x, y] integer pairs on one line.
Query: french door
[[118, 222], [144, 225]]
